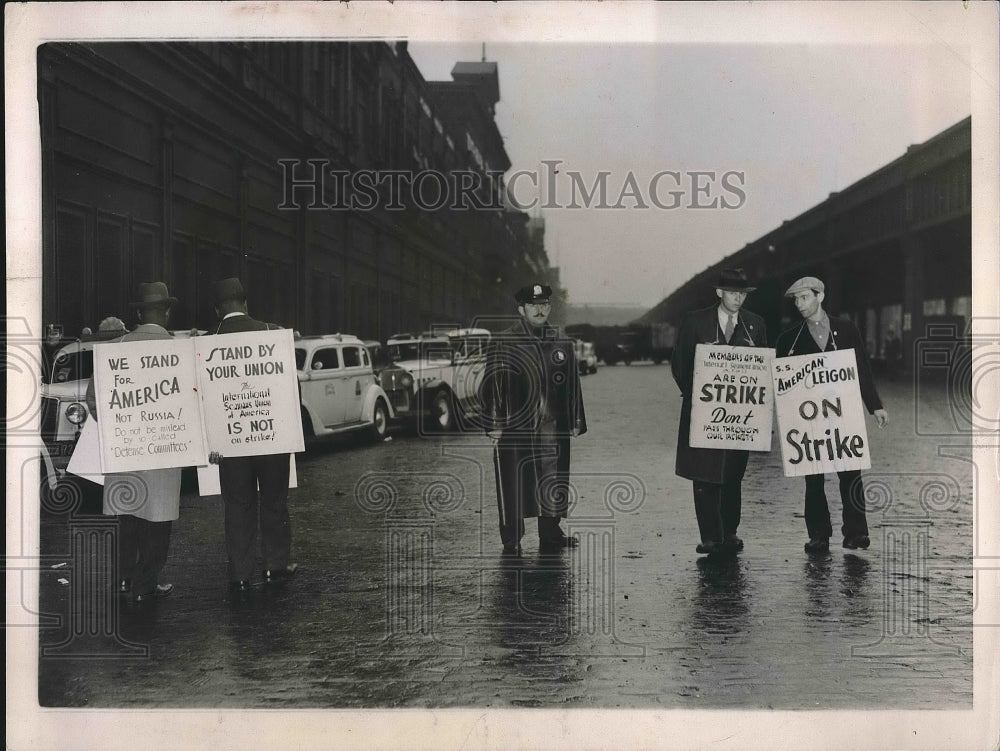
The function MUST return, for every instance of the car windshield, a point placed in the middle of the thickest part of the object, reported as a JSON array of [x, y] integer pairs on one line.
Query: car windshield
[[408, 351], [73, 365], [470, 347], [424, 349]]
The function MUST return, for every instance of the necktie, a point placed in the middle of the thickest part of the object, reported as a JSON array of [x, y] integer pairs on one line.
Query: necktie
[[730, 327]]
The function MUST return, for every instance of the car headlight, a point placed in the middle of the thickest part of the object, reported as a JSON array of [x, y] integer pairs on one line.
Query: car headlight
[[406, 380], [76, 413]]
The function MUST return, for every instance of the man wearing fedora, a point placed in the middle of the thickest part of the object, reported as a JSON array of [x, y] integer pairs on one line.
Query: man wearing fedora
[[717, 474], [531, 406], [147, 501], [819, 332], [240, 477]]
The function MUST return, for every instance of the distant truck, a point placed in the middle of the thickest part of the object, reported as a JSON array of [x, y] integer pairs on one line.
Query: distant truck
[[633, 343], [662, 337]]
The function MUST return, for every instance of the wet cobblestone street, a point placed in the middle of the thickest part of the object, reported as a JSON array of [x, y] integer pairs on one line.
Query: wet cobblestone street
[[403, 598]]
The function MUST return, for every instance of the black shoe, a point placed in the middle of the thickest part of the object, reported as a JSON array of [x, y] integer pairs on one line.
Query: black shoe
[[563, 541], [709, 548], [853, 543], [161, 591], [733, 542], [124, 586], [278, 575], [818, 545], [512, 550]]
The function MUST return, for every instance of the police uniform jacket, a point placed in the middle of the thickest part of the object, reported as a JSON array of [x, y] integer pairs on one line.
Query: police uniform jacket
[[531, 376], [798, 340], [702, 327]]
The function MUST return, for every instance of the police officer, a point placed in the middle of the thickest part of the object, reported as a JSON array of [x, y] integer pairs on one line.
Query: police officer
[[531, 406]]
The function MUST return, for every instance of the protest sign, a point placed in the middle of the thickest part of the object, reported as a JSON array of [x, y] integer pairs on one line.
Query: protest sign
[[731, 398], [86, 459], [147, 405], [210, 484], [250, 392], [821, 417]]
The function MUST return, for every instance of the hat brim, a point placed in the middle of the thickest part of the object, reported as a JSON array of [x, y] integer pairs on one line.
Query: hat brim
[[151, 303], [729, 288]]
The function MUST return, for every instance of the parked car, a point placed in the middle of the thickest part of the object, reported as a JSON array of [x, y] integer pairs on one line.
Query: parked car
[[377, 353], [64, 408], [338, 390], [585, 357], [435, 379]]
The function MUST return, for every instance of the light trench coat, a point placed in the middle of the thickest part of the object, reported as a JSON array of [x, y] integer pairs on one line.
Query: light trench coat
[[152, 494]]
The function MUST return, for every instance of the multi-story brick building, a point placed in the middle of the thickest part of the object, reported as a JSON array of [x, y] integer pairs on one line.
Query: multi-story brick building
[[189, 162]]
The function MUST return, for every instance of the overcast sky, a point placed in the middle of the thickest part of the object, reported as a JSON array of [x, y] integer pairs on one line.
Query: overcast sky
[[798, 121]]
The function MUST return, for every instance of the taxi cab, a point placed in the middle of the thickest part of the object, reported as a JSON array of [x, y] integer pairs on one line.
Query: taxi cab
[[64, 407], [434, 380], [338, 389]]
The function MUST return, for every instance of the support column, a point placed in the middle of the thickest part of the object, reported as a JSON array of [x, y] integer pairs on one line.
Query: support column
[[913, 298], [168, 263], [833, 279]]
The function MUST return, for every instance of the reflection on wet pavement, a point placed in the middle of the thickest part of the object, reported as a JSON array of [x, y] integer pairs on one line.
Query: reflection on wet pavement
[[723, 600], [404, 600]]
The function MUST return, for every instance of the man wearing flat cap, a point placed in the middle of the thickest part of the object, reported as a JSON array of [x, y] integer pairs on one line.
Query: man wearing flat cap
[[717, 474], [532, 405], [819, 332], [146, 502], [241, 476]]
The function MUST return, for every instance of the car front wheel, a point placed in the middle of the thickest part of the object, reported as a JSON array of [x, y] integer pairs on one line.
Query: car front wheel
[[442, 412], [380, 421]]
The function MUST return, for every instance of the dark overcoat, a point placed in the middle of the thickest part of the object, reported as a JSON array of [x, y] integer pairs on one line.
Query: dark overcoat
[[797, 340], [702, 327], [530, 375], [238, 324]]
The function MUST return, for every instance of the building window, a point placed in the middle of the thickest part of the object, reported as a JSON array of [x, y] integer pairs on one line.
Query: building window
[[962, 306], [473, 149], [935, 307]]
